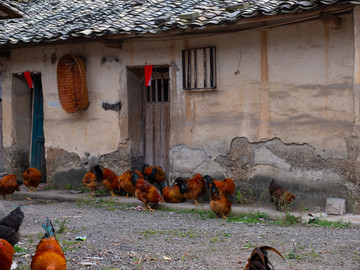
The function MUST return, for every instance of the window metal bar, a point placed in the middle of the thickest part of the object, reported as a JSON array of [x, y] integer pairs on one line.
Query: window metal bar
[[189, 70], [205, 69], [195, 68], [183, 68]]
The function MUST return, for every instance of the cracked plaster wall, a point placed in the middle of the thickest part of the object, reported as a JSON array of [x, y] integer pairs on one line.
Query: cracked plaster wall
[[296, 166]]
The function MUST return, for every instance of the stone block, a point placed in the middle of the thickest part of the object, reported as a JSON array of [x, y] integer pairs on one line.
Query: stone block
[[335, 206]]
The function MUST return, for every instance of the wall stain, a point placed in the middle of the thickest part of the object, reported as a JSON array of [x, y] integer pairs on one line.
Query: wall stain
[[263, 130]]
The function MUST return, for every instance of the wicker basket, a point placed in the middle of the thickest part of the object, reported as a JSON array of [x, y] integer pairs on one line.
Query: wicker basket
[[71, 81]]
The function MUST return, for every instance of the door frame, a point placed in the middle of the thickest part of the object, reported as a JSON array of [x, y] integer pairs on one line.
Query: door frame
[[160, 138]]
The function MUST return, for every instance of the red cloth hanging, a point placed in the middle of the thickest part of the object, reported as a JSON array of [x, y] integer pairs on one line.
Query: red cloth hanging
[[148, 73], [28, 79]]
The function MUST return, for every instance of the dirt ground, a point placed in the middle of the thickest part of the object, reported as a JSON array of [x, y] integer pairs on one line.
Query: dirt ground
[[125, 237]]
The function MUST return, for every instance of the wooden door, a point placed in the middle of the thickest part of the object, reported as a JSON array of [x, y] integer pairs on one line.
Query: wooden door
[[38, 139], [157, 119]]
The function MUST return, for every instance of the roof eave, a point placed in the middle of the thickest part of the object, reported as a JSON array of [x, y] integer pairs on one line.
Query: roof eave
[[260, 22]]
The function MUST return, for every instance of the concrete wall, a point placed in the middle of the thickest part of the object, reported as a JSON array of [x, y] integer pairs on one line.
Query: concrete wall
[[284, 108]]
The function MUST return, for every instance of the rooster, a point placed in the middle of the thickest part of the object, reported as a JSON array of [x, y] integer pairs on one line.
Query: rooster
[[146, 192], [32, 178], [124, 181], [6, 255], [98, 176], [280, 196], [48, 254], [153, 174], [192, 188], [10, 225], [8, 185], [219, 203], [93, 179], [110, 181], [226, 186], [259, 259], [171, 194]]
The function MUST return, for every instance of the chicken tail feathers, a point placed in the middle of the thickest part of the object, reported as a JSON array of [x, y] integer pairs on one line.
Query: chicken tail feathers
[[49, 228], [162, 185], [97, 170], [259, 258]]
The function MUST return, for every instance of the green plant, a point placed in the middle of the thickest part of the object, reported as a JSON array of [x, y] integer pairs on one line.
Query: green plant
[[214, 240], [288, 220], [293, 256], [318, 221], [250, 217], [69, 245], [19, 249], [246, 197], [69, 186], [62, 226]]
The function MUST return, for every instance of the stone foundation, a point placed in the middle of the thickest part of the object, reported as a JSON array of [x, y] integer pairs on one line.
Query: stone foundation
[[17, 161], [297, 167], [65, 168]]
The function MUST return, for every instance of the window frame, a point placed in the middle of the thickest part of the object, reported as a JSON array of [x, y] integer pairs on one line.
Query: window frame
[[190, 81]]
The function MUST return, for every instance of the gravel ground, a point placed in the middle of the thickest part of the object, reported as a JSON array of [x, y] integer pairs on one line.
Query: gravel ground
[[120, 237]]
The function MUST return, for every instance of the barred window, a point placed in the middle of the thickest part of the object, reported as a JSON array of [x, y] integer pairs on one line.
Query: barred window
[[199, 68]]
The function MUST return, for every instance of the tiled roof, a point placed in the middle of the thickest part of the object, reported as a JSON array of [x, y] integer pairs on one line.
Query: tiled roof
[[9, 10], [54, 20]]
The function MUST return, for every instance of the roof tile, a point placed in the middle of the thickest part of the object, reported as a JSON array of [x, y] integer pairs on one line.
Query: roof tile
[[46, 21]]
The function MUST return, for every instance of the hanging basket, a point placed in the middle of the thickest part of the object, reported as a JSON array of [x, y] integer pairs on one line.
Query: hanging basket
[[71, 81]]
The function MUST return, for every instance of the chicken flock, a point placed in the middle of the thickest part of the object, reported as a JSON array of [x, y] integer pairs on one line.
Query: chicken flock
[[149, 186]]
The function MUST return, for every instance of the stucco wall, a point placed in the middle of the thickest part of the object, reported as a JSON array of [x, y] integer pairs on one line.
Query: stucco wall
[[292, 83]]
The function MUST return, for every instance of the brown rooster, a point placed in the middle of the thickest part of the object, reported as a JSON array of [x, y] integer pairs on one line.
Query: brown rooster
[[6, 254], [153, 174], [93, 179], [110, 181], [171, 194], [32, 178], [48, 254], [8, 185], [124, 181], [219, 204], [146, 192], [280, 196], [192, 188], [259, 259], [226, 186]]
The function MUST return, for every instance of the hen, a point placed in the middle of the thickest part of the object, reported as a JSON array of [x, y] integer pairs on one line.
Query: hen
[[171, 194], [10, 225], [153, 174], [48, 254], [146, 192], [8, 185], [192, 188], [32, 178], [259, 259], [219, 204], [124, 181], [93, 179], [226, 186], [110, 181], [6, 255], [280, 196]]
